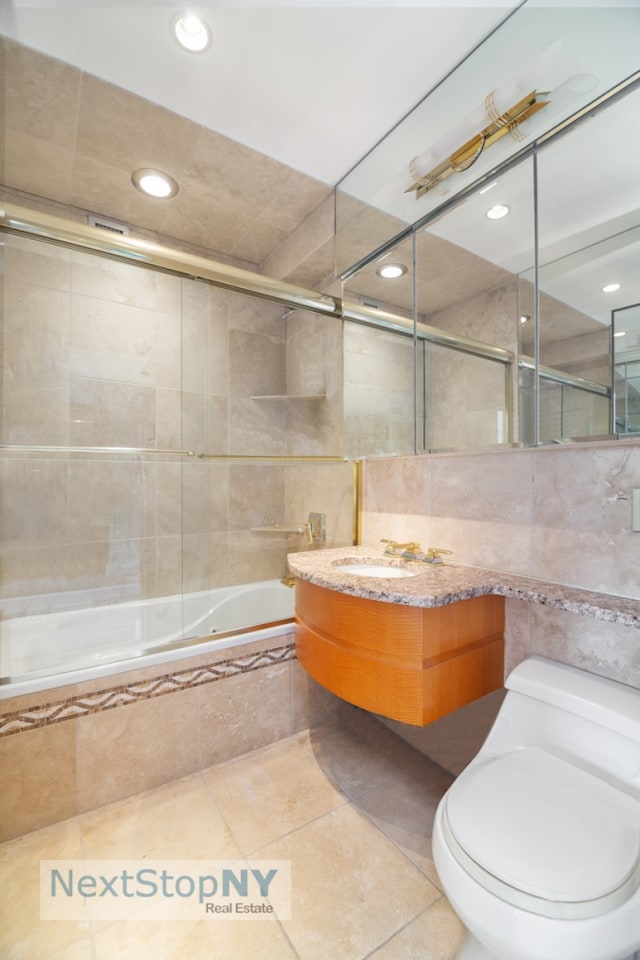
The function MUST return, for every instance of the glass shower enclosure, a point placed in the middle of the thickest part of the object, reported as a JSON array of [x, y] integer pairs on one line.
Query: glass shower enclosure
[[164, 443]]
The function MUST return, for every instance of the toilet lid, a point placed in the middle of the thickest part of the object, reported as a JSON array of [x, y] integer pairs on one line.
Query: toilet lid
[[544, 834]]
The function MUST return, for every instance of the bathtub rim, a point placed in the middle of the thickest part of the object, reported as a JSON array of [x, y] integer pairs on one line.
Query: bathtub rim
[[180, 650]]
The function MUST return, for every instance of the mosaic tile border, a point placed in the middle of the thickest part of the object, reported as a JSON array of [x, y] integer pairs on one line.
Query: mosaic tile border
[[82, 705]]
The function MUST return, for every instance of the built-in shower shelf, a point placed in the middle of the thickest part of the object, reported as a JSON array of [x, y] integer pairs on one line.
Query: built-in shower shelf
[[289, 396]]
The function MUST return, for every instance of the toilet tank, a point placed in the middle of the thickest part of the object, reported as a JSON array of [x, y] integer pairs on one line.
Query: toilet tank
[[590, 720], [609, 703]]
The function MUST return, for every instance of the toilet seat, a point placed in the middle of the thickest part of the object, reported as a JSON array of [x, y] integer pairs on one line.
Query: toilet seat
[[544, 835]]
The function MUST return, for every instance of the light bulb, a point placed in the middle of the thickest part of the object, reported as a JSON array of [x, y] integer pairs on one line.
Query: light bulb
[[498, 212], [154, 183], [191, 32]]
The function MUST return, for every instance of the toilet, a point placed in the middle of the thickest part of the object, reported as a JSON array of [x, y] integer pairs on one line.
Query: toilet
[[537, 842]]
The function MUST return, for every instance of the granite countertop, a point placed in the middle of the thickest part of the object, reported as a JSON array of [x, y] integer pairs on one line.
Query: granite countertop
[[436, 585]]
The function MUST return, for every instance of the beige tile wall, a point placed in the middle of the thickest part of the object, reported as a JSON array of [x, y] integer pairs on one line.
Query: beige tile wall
[[95, 757], [556, 513], [306, 256], [466, 397], [378, 391], [487, 316], [566, 412], [468, 400], [467, 406], [314, 368], [3, 60], [74, 139], [97, 356], [101, 353]]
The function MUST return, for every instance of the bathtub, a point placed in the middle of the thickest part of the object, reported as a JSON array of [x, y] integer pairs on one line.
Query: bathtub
[[49, 650]]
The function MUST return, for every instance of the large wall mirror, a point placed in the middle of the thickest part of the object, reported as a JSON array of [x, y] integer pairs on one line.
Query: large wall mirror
[[505, 312], [589, 268], [626, 369]]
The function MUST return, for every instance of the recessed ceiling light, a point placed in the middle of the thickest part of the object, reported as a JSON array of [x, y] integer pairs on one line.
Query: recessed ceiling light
[[610, 287], [391, 271], [191, 32], [525, 317], [154, 183], [498, 212]]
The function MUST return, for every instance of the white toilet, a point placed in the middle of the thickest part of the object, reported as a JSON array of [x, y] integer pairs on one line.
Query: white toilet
[[537, 843]]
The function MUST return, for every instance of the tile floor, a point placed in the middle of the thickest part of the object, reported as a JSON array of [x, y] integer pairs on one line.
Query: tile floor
[[350, 806]]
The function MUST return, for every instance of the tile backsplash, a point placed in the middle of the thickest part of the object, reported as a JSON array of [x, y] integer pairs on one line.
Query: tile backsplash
[[561, 514]]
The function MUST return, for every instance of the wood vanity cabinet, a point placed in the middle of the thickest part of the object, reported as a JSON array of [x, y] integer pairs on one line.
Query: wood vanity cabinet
[[413, 664]]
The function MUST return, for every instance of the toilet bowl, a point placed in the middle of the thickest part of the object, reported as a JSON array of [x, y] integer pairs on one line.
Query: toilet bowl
[[537, 843]]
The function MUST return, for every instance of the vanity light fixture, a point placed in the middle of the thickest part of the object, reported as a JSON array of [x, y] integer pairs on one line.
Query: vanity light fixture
[[489, 186], [610, 287], [391, 271], [620, 333], [191, 32], [154, 183], [497, 212], [501, 122]]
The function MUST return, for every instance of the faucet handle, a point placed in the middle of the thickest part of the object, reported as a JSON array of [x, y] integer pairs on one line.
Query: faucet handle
[[432, 554], [394, 547]]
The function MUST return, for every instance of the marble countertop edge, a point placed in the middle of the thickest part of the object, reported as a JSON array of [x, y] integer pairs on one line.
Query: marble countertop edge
[[441, 584]]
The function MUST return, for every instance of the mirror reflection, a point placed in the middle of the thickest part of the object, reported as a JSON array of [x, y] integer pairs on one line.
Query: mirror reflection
[[476, 275], [441, 329], [589, 225], [571, 56], [626, 369], [378, 358]]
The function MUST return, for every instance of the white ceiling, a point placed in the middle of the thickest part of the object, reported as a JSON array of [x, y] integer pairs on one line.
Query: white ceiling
[[314, 86]]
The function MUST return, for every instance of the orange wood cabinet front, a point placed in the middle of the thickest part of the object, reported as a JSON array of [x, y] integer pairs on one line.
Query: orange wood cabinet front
[[413, 664]]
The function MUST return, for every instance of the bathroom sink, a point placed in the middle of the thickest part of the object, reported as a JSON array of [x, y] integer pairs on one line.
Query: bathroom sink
[[384, 571]]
